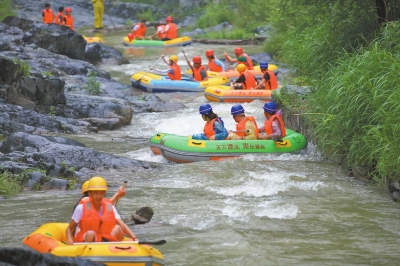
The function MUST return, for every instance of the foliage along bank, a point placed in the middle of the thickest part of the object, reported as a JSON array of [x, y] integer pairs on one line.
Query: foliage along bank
[[350, 62]]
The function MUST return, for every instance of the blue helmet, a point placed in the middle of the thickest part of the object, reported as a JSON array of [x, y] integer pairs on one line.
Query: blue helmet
[[237, 109], [205, 108], [270, 107], [264, 65]]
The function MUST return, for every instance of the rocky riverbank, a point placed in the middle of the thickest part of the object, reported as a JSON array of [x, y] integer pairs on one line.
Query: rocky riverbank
[[44, 90]]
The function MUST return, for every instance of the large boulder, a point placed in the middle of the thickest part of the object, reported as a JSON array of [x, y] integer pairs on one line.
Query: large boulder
[[59, 40]]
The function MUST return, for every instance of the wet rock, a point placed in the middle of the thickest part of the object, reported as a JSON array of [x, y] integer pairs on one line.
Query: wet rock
[[396, 195], [40, 151], [34, 178], [59, 40], [144, 212], [56, 183], [20, 256], [137, 219], [96, 53]]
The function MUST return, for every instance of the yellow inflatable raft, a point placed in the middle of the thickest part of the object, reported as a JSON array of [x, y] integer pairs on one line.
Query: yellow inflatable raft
[[92, 39], [220, 93], [51, 238]]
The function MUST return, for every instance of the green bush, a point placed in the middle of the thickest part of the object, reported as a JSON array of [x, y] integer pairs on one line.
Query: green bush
[[359, 98], [92, 85], [9, 186], [6, 9]]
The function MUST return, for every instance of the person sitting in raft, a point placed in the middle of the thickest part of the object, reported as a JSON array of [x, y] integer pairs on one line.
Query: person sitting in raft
[[69, 19], [160, 28], [246, 127], [47, 14], [171, 30], [199, 71], [214, 128], [246, 80], [214, 64], [174, 71], [120, 193], [273, 128], [239, 52], [97, 217], [139, 31], [268, 80]]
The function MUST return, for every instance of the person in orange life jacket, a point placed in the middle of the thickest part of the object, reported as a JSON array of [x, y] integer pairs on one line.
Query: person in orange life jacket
[[214, 64], [268, 80], [274, 128], [246, 127], [199, 71], [174, 71], [69, 19], [246, 80], [239, 52], [160, 28], [214, 128], [139, 31], [59, 18], [47, 14], [97, 217], [171, 30], [120, 193]]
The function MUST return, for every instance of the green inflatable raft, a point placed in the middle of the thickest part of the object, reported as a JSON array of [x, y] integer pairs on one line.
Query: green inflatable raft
[[184, 149]]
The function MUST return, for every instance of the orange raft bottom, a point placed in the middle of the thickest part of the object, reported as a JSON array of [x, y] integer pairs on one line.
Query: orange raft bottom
[[220, 93]]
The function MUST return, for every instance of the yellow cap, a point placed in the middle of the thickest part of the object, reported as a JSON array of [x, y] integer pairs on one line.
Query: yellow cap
[[85, 186], [241, 68], [97, 183], [173, 58]]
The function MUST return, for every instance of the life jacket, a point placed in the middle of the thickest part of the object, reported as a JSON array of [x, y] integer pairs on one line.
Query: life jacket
[[48, 16], [177, 72], [141, 32], [249, 63], [91, 220], [250, 82], [197, 74], [161, 33], [69, 21], [268, 124], [241, 126], [209, 128], [59, 18], [172, 32], [272, 83], [212, 66]]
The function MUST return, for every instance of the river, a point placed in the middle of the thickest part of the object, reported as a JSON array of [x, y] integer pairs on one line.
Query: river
[[274, 209]]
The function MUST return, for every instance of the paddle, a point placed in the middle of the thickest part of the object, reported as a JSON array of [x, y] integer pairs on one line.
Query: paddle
[[124, 186], [136, 83], [159, 242], [187, 61]]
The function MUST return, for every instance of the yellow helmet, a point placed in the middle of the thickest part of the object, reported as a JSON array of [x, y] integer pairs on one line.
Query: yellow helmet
[[173, 58], [241, 68], [85, 186], [97, 183]]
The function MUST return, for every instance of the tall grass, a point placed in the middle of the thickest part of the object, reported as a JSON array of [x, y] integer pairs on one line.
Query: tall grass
[[359, 97], [9, 186]]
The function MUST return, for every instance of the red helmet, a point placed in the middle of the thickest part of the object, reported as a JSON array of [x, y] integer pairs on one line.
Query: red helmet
[[130, 37], [209, 53], [169, 18], [238, 50], [197, 59], [68, 9]]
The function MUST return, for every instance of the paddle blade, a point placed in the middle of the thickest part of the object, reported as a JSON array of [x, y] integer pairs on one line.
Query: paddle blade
[[160, 242]]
